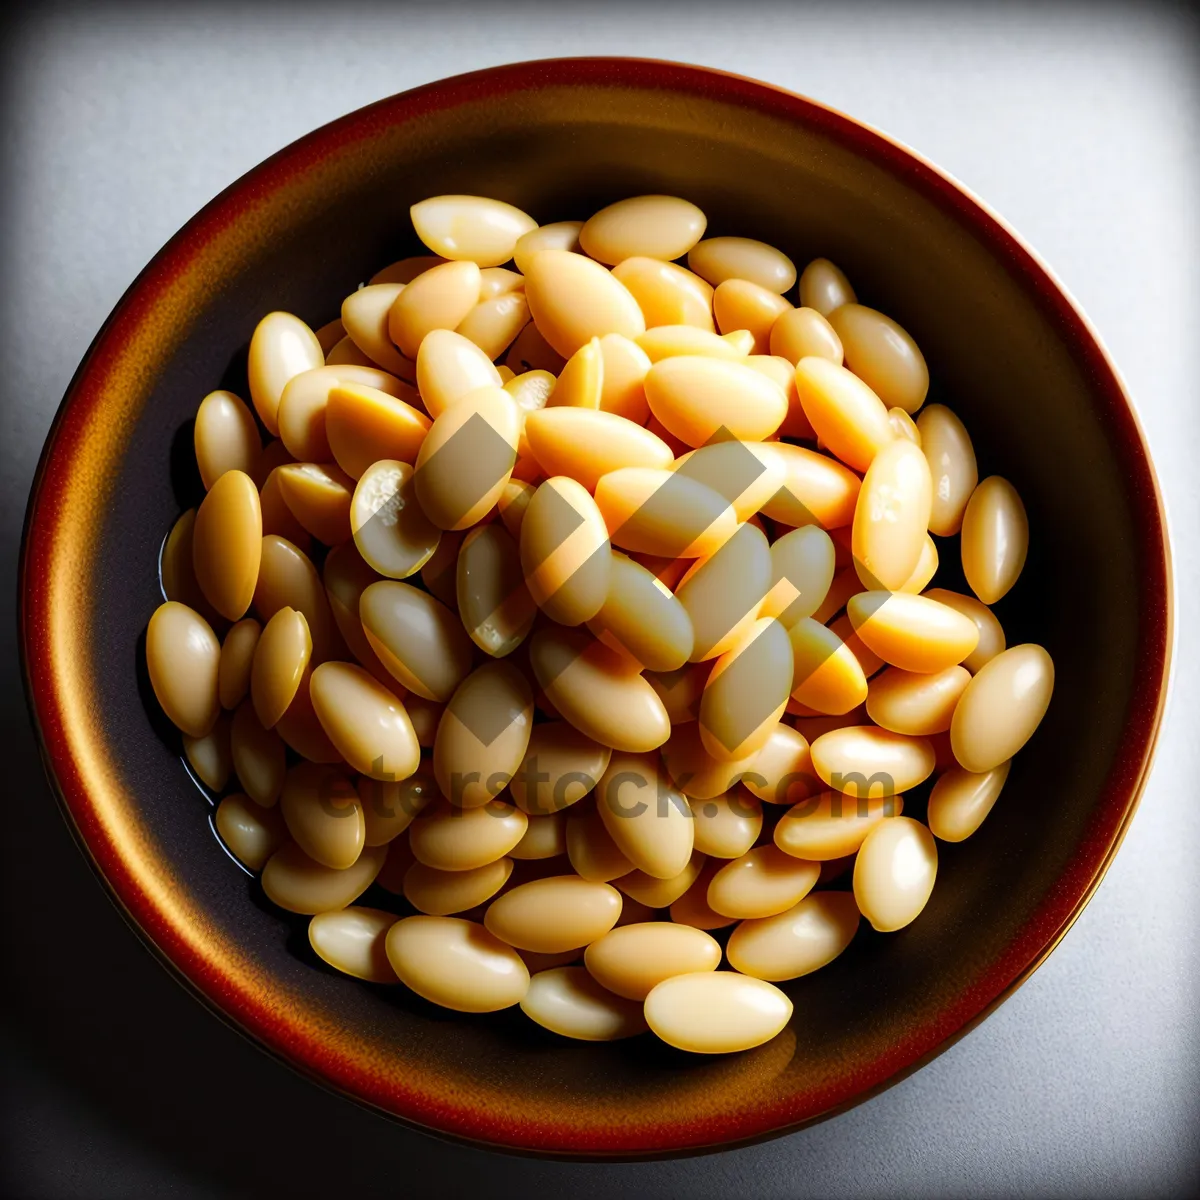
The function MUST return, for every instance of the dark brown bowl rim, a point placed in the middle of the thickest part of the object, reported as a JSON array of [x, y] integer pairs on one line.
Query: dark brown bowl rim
[[272, 1031]]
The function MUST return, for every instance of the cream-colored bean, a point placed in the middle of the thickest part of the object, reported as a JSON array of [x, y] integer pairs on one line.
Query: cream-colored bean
[[894, 873], [653, 893], [366, 315], [574, 299], [716, 1012], [183, 656], [782, 771], [483, 230], [389, 527], [720, 258], [493, 324], [600, 692], [580, 383], [389, 808], [209, 756], [848, 417], [281, 347], [554, 914], [623, 377], [560, 235], [420, 641], [763, 882], [405, 270], [227, 544], [294, 881], [1001, 707], [347, 354], [802, 567], [531, 352], [991, 632], [323, 814], [747, 692], [961, 799], [287, 579], [441, 893], [590, 848], [925, 570], [281, 659], [692, 908], [833, 825], [644, 814], [237, 655], [826, 675], [914, 633], [250, 832], [586, 444], [883, 355], [680, 691], [467, 457], [904, 426], [858, 758], [452, 838], [662, 227], [302, 408], [891, 517], [568, 1001], [319, 495], [560, 767], [798, 941], [302, 731], [177, 575], [513, 502], [640, 617], [449, 367], [870, 662], [824, 287], [493, 599], [366, 722], [916, 704], [746, 474], [546, 837], [844, 585], [440, 573], [693, 770], [727, 826], [667, 294], [816, 489], [456, 964], [783, 374], [739, 304], [226, 437], [483, 734], [995, 539], [632, 960], [697, 397], [353, 941], [364, 424], [951, 456], [676, 341], [277, 519], [440, 298], [800, 333], [258, 756]]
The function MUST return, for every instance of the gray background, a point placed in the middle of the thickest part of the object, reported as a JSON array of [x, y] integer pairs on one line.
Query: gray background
[[1079, 125]]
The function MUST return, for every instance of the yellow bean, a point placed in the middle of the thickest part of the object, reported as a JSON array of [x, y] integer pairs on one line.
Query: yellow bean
[[280, 661], [364, 425], [693, 770], [277, 519], [493, 599], [389, 808], [800, 333], [675, 341], [826, 676], [441, 893], [816, 490], [782, 771], [568, 1001], [623, 377], [716, 1012], [560, 767], [390, 529], [824, 287], [176, 572], [697, 398], [329, 334], [692, 908], [555, 914], [250, 832], [894, 873], [586, 444], [237, 655], [226, 437], [654, 893], [281, 347], [366, 314], [870, 662], [914, 633], [664, 227], [727, 826], [209, 756], [561, 235], [914, 704], [183, 657], [925, 570], [666, 293], [846, 414], [802, 564], [367, 723], [460, 839], [995, 539], [301, 730], [663, 512], [294, 881], [883, 355], [405, 270], [746, 474], [440, 298], [859, 757], [991, 633], [891, 517], [227, 544], [471, 227], [783, 374], [593, 854], [798, 941], [302, 408], [739, 304], [456, 964], [904, 426], [546, 837], [346, 354], [646, 817], [951, 456], [440, 573], [634, 959], [961, 799], [531, 352], [747, 692], [319, 495], [762, 883], [258, 755], [833, 825], [574, 299], [494, 323], [353, 941], [641, 618], [721, 258], [513, 502], [346, 577], [323, 814], [449, 367]]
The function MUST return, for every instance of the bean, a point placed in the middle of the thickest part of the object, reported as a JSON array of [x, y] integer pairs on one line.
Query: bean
[[226, 437], [449, 367], [420, 641], [598, 691], [641, 618], [590, 848], [746, 474], [405, 270], [555, 914], [182, 656], [561, 235], [389, 808], [675, 341], [233, 667], [258, 756], [802, 565], [319, 495], [560, 767], [697, 398], [364, 424], [467, 457], [1001, 707], [870, 662], [631, 961], [281, 347], [250, 832], [663, 512], [568, 1001], [440, 573], [456, 964], [471, 227], [716, 1012], [739, 304], [826, 676], [441, 893], [816, 490], [800, 333], [664, 227], [513, 502], [353, 941], [623, 390], [586, 444], [347, 354], [894, 873], [833, 825], [390, 529], [692, 907], [782, 771], [227, 544], [693, 770], [904, 426], [458, 839], [493, 599], [439, 298], [991, 633], [783, 374], [667, 294], [574, 299], [721, 258], [652, 828], [277, 519], [883, 355], [727, 826], [499, 281], [494, 323], [323, 814], [916, 704], [891, 517], [302, 731], [797, 942], [961, 799], [925, 570], [845, 413], [305, 400], [951, 457], [855, 758], [367, 316], [176, 572], [914, 633], [824, 287], [294, 881], [761, 883], [531, 352], [209, 756], [346, 577], [653, 893], [280, 661], [546, 837], [995, 539]]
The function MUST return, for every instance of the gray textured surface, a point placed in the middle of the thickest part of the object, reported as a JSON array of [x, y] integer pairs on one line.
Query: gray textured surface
[[1078, 125]]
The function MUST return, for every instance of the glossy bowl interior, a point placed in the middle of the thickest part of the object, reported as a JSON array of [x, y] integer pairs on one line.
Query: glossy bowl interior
[[1007, 350]]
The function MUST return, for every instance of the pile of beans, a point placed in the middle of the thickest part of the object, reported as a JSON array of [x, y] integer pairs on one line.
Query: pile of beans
[[582, 599]]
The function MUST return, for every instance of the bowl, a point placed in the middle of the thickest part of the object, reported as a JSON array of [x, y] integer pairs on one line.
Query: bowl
[[1008, 349]]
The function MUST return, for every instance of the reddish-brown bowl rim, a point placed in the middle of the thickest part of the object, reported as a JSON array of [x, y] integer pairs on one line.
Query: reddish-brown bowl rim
[[273, 1029]]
